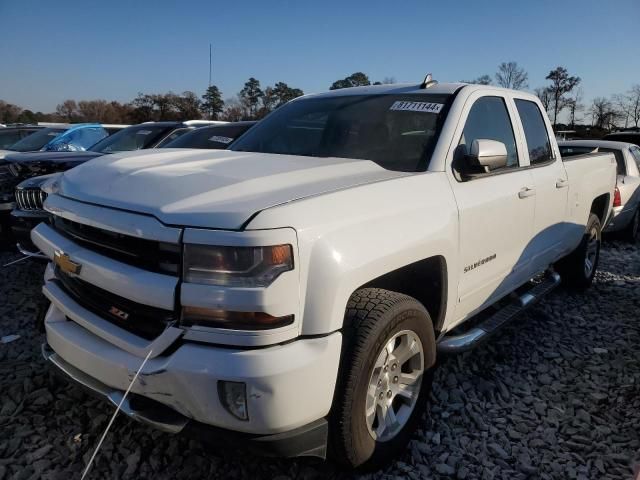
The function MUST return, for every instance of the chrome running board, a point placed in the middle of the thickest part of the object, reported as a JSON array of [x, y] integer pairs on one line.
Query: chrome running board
[[478, 334]]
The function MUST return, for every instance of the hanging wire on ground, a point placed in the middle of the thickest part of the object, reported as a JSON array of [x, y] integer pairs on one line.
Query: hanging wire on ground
[[15, 261], [24, 257], [124, 397]]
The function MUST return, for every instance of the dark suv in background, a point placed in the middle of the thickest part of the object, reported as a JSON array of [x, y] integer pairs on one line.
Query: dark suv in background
[[11, 135]]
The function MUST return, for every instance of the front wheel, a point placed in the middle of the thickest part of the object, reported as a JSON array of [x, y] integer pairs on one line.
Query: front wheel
[[385, 377], [578, 269]]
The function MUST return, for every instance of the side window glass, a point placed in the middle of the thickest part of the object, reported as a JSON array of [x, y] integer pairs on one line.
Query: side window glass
[[635, 151], [535, 132], [90, 136], [488, 119]]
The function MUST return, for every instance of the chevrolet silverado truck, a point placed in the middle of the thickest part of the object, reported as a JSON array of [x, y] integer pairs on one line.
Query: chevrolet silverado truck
[[291, 294]]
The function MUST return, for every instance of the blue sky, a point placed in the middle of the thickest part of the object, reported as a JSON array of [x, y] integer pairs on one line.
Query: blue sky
[[51, 51]]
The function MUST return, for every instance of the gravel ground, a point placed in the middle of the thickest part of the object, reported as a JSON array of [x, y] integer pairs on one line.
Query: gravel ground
[[553, 396]]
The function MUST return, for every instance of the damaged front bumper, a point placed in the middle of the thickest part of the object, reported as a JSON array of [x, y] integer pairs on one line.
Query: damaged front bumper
[[307, 440], [289, 387]]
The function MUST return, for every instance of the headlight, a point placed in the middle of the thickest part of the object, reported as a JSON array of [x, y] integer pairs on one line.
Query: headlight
[[236, 266], [51, 185]]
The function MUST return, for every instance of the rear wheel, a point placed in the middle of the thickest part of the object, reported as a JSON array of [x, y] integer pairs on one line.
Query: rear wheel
[[385, 377], [578, 269], [632, 232]]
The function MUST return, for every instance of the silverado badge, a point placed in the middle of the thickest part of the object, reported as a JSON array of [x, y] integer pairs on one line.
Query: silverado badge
[[64, 262]]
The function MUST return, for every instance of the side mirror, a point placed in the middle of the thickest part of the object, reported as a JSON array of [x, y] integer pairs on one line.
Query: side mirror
[[489, 154]]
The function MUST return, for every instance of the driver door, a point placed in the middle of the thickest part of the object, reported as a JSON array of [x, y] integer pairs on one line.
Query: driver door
[[496, 208]]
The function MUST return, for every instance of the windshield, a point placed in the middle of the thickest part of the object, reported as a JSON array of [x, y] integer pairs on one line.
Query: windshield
[[398, 132], [219, 137], [36, 140], [131, 138]]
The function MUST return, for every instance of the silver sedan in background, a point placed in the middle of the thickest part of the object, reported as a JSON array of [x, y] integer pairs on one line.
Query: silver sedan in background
[[626, 201]]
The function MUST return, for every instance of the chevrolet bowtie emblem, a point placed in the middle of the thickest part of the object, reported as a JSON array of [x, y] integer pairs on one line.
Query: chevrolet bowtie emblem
[[64, 262]]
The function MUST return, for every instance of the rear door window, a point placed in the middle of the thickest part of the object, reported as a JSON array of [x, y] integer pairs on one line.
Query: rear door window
[[535, 132]]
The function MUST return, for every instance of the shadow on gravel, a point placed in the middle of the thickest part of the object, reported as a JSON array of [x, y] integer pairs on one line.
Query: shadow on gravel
[[553, 396]]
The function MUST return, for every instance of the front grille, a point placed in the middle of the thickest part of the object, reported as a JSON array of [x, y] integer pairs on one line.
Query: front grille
[[159, 257], [30, 198], [141, 320]]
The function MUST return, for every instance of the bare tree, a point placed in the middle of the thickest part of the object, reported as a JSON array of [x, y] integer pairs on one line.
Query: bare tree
[[234, 110], [621, 104], [634, 104], [602, 112], [68, 110], [573, 103], [544, 94], [561, 84], [9, 112], [510, 75], [481, 80], [629, 105]]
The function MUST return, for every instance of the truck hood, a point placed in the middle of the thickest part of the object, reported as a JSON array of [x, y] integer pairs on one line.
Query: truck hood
[[50, 157], [212, 188]]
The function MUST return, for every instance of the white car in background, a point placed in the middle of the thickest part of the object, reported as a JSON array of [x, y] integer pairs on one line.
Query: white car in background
[[626, 200]]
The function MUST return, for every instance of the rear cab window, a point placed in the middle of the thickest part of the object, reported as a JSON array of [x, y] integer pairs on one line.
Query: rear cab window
[[535, 132]]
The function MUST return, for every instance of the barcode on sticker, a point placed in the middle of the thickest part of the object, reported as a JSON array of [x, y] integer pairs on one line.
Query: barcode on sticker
[[220, 139], [417, 106]]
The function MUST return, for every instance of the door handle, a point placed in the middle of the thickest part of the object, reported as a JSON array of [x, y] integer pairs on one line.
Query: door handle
[[562, 183], [526, 192]]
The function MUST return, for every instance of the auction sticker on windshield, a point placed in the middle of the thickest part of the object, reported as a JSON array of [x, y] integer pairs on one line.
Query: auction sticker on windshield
[[220, 139], [426, 107]]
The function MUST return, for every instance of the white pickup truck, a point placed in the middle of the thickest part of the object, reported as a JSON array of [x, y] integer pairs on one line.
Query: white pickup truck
[[292, 294]]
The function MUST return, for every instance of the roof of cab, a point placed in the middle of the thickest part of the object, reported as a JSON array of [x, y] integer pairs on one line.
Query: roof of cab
[[413, 88], [396, 88]]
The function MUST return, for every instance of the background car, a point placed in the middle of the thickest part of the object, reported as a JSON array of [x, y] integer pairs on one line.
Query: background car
[[211, 137], [64, 138], [626, 200], [11, 135], [28, 211], [624, 136]]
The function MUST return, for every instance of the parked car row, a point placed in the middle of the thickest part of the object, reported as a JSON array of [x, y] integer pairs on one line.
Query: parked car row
[[27, 172], [626, 200], [292, 293]]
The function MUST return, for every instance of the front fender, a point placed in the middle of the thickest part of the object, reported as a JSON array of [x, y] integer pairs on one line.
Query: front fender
[[350, 237]]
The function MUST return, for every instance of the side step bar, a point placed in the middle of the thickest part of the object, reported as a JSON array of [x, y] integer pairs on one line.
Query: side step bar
[[470, 339]]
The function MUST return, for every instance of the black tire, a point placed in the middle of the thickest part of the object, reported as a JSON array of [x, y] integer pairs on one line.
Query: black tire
[[573, 268], [373, 317], [632, 232]]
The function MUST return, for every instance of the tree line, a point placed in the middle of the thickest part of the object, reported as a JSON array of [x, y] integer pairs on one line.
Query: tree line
[[563, 94], [251, 103]]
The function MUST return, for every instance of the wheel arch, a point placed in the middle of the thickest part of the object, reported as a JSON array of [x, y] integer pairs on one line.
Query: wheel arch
[[600, 206], [424, 280]]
